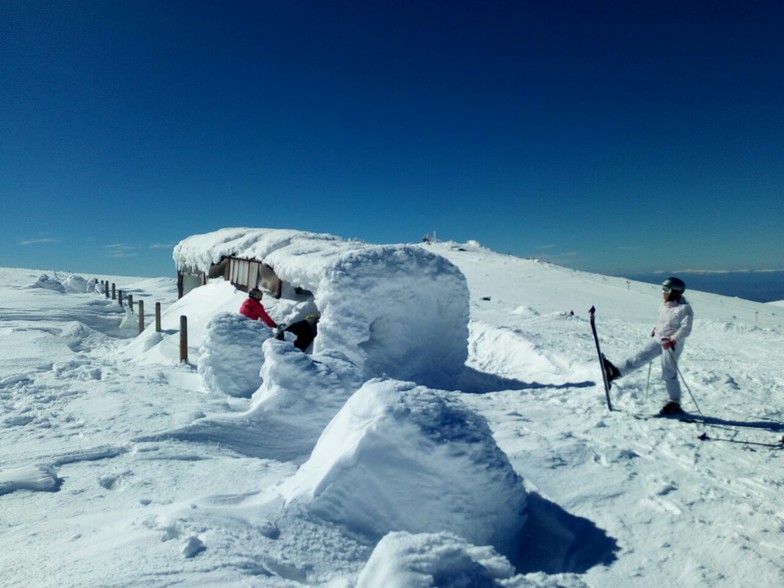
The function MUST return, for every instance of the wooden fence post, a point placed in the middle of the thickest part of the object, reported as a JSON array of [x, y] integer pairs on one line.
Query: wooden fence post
[[119, 297], [106, 288], [130, 302], [114, 295], [157, 317], [183, 339], [141, 315]]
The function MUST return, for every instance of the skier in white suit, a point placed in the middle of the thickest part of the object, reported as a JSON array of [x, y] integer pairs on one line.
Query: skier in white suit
[[672, 328]]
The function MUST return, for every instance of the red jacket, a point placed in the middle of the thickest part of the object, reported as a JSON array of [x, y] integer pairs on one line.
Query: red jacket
[[253, 309]]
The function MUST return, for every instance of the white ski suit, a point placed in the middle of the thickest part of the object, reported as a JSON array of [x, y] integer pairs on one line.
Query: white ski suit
[[675, 319]]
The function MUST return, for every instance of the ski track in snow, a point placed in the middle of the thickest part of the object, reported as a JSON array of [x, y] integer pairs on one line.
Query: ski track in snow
[[683, 512]]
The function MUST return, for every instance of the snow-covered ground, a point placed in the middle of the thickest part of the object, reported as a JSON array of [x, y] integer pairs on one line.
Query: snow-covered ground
[[255, 464]]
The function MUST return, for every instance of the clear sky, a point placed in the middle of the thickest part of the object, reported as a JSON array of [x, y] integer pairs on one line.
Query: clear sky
[[610, 136]]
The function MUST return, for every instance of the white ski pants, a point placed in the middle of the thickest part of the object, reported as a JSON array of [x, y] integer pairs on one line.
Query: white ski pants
[[669, 365]]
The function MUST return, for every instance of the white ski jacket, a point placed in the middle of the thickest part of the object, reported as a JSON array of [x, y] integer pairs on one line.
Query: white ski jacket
[[675, 320]]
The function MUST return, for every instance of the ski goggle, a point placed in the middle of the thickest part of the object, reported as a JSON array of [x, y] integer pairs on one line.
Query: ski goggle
[[666, 289]]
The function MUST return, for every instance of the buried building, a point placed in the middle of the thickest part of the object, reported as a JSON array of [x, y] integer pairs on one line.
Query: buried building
[[392, 310]]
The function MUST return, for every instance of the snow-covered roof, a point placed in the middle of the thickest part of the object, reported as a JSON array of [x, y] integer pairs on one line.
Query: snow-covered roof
[[298, 256]]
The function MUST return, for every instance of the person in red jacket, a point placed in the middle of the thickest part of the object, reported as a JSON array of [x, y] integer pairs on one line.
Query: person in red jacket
[[253, 309]]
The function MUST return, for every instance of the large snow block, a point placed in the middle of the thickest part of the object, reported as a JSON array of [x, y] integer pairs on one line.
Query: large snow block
[[400, 457], [231, 356], [398, 311]]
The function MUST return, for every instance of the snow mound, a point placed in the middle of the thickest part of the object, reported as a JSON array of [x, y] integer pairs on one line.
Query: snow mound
[[230, 359], [429, 560], [508, 353], [41, 478], [44, 282], [93, 285], [403, 457], [76, 285], [72, 284], [298, 384]]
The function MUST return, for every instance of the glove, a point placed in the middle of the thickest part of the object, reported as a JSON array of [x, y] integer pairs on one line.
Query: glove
[[668, 343]]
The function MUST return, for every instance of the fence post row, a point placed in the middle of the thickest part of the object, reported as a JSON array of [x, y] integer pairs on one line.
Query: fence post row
[[118, 294]]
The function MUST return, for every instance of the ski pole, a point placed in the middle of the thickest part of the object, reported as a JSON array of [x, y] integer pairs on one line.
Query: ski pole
[[647, 382], [678, 369]]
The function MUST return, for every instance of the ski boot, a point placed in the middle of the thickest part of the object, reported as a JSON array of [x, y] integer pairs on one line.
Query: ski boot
[[670, 409]]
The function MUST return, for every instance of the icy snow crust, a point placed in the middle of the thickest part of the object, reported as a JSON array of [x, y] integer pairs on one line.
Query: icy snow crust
[[121, 466]]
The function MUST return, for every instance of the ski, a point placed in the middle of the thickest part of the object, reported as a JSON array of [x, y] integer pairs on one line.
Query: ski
[[777, 445], [686, 417], [601, 358], [725, 423], [698, 419]]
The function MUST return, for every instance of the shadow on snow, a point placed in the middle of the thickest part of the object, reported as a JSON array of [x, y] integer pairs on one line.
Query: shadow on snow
[[473, 381], [556, 542]]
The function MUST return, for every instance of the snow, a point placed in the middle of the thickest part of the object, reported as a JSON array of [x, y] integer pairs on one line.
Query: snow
[[448, 428]]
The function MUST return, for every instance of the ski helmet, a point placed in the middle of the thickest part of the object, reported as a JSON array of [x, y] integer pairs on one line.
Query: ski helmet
[[674, 285], [255, 293]]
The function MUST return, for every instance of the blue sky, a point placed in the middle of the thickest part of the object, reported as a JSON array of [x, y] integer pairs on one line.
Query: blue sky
[[615, 137]]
